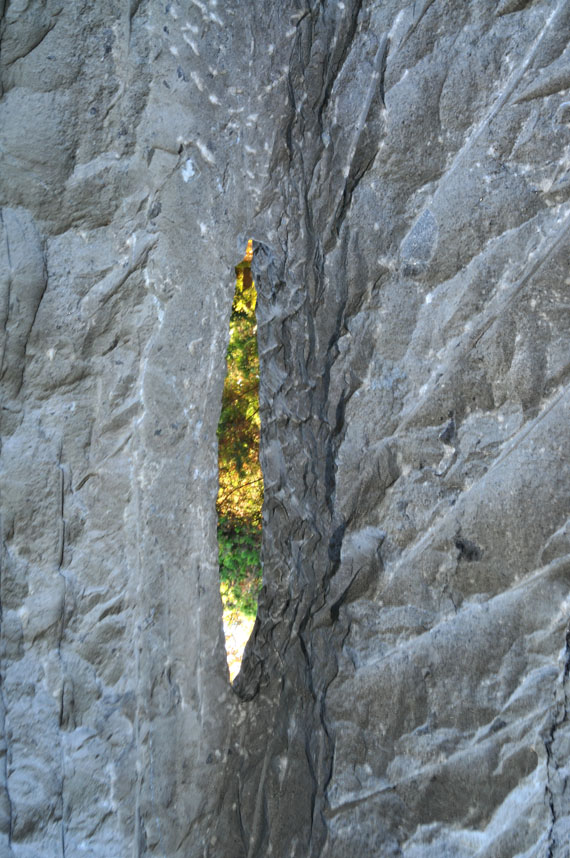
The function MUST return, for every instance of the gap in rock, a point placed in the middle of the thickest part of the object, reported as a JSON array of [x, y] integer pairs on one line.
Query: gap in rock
[[240, 494]]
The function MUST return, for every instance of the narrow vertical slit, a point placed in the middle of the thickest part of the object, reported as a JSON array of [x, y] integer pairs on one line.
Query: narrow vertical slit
[[240, 494]]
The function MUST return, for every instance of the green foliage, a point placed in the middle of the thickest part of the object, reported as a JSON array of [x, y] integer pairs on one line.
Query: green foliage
[[241, 485], [240, 495], [240, 580]]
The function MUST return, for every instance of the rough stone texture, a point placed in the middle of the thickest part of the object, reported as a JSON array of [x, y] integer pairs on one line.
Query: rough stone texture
[[403, 170]]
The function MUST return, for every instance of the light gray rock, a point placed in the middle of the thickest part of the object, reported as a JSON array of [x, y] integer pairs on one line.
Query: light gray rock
[[403, 170]]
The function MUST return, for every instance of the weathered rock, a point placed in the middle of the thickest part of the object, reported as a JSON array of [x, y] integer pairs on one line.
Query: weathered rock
[[402, 168]]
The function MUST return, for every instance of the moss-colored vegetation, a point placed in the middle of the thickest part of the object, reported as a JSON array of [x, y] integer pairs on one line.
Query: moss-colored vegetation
[[240, 571], [240, 494]]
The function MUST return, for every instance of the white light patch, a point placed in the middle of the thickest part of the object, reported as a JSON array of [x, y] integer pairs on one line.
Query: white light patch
[[192, 44], [205, 153], [196, 78], [188, 170]]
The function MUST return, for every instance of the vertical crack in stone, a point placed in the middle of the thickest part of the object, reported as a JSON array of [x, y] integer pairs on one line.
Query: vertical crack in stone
[[240, 493], [307, 417], [404, 168], [64, 716], [4, 738], [557, 783]]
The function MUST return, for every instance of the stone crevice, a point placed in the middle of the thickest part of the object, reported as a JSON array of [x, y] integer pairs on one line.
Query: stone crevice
[[401, 168], [9, 825], [556, 765]]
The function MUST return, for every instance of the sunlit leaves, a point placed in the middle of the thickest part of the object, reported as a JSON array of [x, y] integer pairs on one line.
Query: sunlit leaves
[[240, 493], [241, 486]]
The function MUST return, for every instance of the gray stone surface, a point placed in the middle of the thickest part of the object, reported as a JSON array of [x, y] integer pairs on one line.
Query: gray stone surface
[[403, 170]]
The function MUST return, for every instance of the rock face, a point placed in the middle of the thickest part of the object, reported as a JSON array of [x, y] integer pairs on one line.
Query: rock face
[[403, 170]]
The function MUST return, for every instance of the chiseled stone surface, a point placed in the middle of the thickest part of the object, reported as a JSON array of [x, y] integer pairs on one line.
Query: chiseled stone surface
[[118, 241], [403, 170]]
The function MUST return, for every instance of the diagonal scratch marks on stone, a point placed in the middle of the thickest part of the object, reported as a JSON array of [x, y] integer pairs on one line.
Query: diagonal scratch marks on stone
[[344, 194], [549, 246], [336, 71], [510, 87], [417, 18]]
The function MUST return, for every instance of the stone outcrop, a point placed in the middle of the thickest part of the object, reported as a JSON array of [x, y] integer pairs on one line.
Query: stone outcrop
[[403, 170]]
